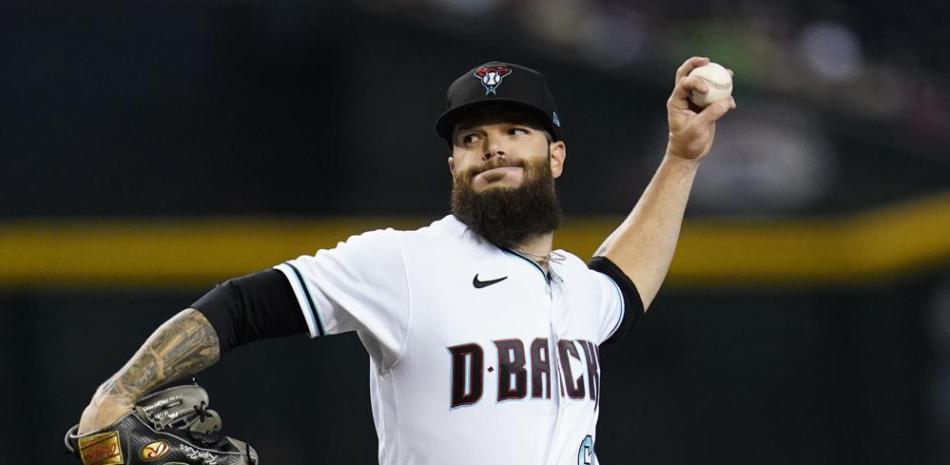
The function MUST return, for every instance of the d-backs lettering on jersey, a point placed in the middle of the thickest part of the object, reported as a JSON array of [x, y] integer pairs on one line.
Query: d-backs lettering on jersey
[[518, 368], [476, 354]]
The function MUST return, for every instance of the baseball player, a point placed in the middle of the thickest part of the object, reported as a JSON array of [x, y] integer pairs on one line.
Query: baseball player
[[483, 341]]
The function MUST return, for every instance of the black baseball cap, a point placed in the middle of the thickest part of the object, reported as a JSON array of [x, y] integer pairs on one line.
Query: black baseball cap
[[504, 83]]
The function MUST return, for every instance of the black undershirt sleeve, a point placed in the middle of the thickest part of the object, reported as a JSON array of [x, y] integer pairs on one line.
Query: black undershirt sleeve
[[257, 306], [632, 303]]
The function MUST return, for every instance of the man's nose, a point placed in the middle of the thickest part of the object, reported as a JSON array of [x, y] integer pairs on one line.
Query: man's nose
[[493, 148]]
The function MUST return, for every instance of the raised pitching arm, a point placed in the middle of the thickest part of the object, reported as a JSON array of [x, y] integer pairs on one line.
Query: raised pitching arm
[[644, 244]]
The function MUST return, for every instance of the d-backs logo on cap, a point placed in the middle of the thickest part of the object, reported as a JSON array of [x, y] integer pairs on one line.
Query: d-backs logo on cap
[[491, 76]]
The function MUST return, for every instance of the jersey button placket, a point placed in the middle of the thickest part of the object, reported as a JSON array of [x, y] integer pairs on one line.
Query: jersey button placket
[[554, 291]]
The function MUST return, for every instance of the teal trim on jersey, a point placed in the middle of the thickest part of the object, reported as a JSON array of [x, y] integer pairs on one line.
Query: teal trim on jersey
[[306, 292], [512, 252], [586, 448]]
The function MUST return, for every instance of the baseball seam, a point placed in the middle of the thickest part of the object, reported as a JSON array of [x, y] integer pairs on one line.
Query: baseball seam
[[717, 85]]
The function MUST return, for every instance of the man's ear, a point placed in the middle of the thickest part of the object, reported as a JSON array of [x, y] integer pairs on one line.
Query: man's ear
[[558, 155], [452, 166]]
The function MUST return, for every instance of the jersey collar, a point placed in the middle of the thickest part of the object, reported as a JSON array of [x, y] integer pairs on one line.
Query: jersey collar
[[456, 227]]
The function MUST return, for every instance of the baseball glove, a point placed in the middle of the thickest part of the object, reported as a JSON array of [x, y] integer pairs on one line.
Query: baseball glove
[[169, 427]]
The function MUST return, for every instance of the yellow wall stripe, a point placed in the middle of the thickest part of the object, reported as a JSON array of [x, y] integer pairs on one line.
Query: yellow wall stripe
[[147, 252]]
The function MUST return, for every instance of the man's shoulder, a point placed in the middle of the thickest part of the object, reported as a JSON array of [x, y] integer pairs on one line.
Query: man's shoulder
[[445, 228], [566, 258], [566, 263], [448, 225]]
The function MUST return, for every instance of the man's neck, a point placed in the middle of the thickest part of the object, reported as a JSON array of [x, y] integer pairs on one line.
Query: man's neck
[[536, 248]]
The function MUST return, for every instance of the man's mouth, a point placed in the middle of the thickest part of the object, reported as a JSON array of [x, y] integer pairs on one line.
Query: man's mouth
[[499, 173]]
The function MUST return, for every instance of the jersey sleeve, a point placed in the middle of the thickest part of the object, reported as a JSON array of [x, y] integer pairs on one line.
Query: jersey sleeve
[[619, 306], [361, 285]]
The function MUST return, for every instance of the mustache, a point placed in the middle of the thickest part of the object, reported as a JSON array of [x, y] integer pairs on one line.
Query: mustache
[[496, 162]]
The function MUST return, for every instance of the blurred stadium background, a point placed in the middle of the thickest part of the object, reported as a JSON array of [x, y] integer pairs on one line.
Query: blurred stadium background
[[152, 149]]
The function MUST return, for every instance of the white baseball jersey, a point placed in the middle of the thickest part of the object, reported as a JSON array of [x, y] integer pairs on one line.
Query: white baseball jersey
[[476, 355]]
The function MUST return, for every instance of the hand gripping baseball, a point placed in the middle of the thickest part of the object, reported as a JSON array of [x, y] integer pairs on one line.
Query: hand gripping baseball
[[169, 427], [692, 129]]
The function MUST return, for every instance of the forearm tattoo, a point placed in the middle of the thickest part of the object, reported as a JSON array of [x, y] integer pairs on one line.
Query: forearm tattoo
[[182, 346]]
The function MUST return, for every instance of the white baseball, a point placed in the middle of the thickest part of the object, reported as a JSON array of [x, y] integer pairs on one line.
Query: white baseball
[[718, 80]]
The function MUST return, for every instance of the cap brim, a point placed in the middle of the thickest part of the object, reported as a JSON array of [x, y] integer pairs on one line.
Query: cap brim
[[447, 121]]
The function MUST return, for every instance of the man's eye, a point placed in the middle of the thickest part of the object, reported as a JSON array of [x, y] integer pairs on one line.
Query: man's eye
[[469, 138], [518, 131]]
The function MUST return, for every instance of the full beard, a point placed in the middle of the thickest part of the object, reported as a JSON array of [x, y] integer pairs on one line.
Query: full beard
[[507, 216]]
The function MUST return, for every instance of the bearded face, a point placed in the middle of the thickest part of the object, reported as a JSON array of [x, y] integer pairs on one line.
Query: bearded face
[[505, 215]]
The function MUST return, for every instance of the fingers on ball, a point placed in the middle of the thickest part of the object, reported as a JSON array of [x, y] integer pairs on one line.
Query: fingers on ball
[[694, 83], [689, 64]]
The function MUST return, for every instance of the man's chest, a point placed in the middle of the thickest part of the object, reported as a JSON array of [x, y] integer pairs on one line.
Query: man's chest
[[504, 334]]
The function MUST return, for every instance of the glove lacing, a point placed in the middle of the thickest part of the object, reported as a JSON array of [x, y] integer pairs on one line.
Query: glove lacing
[[206, 438]]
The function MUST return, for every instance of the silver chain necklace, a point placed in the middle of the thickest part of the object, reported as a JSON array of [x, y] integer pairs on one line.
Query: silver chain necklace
[[550, 257], [532, 255]]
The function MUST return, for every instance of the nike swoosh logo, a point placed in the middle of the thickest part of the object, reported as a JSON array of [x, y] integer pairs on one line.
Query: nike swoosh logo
[[480, 284]]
